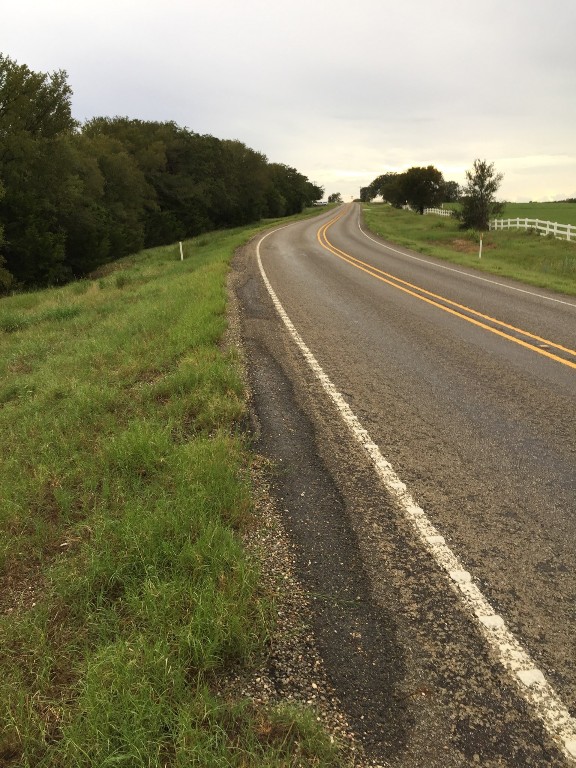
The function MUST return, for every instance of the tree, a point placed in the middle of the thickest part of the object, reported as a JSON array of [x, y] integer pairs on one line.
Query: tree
[[5, 276], [33, 103], [378, 186], [478, 199], [35, 126], [391, 187], [451, 192], [289, 190], [335, 197], [423, 187]]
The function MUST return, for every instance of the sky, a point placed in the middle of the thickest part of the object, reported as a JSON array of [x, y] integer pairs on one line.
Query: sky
[[342, 91]]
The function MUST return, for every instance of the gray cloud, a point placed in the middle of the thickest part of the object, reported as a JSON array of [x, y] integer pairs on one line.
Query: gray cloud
[[341, 91]]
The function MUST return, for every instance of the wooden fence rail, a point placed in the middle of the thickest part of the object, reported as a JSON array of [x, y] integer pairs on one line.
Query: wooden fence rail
[[561, 231]]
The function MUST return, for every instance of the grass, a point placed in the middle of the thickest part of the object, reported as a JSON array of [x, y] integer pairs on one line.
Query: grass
[[524, 256], [563, 213], [126, 592]]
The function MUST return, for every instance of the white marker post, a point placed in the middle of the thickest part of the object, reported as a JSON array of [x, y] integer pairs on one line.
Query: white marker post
[[181, 253], [480, 251]]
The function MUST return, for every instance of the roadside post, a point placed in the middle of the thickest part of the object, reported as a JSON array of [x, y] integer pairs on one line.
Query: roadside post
[[181, 252], [480, 251]]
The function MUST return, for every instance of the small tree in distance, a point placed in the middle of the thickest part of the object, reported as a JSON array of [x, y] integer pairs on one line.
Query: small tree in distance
[[335, 197], [478, 196]]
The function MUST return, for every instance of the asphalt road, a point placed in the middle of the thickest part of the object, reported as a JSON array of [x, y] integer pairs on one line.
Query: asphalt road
[[466, 385]]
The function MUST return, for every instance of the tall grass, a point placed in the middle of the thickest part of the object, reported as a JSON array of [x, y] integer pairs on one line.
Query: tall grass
[[521, 255], [125, 588]]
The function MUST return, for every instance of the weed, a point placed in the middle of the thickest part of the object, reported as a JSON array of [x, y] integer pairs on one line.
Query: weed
[[80, 287], [11, 322], [62, 313], [122, 280]]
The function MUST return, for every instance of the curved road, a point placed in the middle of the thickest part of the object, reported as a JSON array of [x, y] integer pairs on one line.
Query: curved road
[[465, 387]]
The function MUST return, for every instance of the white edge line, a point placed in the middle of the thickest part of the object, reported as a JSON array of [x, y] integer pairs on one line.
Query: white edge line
[[534, 688], [460, 271]]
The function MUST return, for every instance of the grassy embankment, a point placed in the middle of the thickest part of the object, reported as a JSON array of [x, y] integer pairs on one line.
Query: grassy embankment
[[126, 592], [524, 256]]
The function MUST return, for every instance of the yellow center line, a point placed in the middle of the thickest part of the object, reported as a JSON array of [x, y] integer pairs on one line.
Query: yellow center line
[[406, 287]]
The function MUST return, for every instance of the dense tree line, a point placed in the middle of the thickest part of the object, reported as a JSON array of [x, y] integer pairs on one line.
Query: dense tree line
[[73, 197]]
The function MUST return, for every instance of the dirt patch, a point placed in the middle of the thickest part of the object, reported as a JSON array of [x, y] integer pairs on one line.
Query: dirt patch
[[468, 246], [20, 587]]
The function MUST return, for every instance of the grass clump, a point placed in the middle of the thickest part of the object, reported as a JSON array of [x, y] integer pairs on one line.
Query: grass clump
[[542, 261], [125, 589]]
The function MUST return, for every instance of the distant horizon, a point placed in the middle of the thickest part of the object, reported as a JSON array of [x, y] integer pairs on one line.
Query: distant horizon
[[340, 92]]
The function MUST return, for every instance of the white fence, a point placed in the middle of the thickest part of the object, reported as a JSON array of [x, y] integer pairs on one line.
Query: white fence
[[438, 211], [561, 231]]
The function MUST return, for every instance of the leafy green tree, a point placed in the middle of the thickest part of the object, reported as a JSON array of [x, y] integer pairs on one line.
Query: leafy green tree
[[313, 191], [125, 198], [423, 187], [378, 185], [39, 183], [6, 278], [392, 189], [479, 196], [243, 184], [35, 168], [389, 186], [32, 103], [293, 188], [451, 192], [335, 197]]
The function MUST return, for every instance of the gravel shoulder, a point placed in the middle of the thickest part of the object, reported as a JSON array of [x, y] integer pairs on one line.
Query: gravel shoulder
[[293, 671]]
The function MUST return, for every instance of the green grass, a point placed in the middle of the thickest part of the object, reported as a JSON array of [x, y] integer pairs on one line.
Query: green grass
[[563, 213], [524, 256], [125, 589]]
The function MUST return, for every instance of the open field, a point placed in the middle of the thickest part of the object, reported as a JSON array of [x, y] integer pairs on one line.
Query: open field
[[125, 590], [563, 213], [524, 256]]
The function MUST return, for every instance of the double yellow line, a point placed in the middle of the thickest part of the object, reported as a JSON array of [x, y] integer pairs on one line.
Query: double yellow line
[[541, 346]]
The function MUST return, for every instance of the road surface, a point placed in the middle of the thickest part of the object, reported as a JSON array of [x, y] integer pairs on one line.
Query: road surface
[[421, 417]]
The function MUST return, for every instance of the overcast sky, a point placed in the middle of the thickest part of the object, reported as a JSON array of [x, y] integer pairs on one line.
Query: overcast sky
[[341, 90]]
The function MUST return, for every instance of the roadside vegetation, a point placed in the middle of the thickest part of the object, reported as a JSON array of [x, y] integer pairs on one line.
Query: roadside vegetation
[[518, 254], [74, 197], [126, 595], [563, 213]]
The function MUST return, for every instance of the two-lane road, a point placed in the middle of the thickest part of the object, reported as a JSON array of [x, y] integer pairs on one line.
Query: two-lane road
[[466, 385]]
